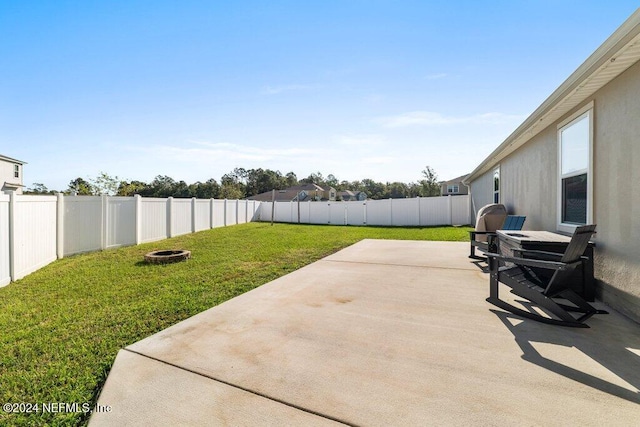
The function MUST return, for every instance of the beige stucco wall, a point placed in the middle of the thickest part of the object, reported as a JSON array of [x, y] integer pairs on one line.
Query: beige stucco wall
[[529, 179]]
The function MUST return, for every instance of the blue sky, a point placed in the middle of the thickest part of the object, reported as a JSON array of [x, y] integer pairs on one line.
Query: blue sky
[[360, 89]]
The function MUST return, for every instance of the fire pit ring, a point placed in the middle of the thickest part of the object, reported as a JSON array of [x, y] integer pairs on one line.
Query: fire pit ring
[[166, 256]]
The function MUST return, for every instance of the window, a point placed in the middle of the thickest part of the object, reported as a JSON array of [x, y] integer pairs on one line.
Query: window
[[574, 170], [496, 185], [453, 189], [16, 171]]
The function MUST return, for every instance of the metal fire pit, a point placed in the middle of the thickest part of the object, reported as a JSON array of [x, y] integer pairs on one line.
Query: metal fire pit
[[165, 257]]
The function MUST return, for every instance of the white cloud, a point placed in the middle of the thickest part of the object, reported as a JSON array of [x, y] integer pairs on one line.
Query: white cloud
[[430, 118]]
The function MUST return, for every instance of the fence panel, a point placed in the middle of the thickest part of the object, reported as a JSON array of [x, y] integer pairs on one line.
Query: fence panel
[[180, 217], [356, 212], [424, 211], [285, 212], [231, 215], [305, 212], [319, 213], [434, 211], [203, 212], [460, 210], [121, 221], [265, 211], [406, 212], [153, 219], [379, 212], [82, 224], [35, 233], [5, 269], [218, 213], [336, 213], [244, 215]]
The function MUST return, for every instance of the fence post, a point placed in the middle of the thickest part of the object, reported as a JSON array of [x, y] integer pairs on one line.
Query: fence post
[[364, 213], [237, 211], [246, 211], [211, 208], [273, 205], [346, 214], [105, 221], [225, 212], [60, 226], [450, 209], [391, 210], [170, 217], [419, 212], [138, 200], [193, 214], [12, 236]]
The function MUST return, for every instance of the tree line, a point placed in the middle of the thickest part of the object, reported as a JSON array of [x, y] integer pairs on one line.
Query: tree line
[[242, 183]]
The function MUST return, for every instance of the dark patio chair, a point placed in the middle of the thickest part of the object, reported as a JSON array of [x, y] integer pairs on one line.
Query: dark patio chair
[[485, 240], [519, 275]]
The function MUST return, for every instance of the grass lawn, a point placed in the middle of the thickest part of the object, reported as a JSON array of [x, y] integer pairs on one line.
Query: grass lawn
[[61, 327]]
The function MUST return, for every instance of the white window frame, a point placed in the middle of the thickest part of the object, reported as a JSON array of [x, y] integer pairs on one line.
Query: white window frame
[[16, 171], [493, 187], [585, 111], [453, 189]]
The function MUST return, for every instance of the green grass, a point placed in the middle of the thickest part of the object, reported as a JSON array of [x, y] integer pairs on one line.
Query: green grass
[[61, 327]]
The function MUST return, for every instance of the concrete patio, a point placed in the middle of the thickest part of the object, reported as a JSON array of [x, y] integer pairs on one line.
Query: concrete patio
[[381, 333]]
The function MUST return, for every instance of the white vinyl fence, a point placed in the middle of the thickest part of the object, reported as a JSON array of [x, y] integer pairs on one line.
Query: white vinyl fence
[[420, 211], [35, 230]]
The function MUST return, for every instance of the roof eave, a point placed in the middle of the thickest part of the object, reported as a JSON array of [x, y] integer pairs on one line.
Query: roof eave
[[9, 159]]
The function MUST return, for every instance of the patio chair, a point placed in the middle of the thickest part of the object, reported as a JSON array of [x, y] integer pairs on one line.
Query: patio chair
[[519, 275], [491, 218]]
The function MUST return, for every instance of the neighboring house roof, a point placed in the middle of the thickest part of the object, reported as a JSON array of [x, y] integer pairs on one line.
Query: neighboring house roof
[[454, 180], [614, 56], [305, 191], [9, 159], [280, 196], [307, 187]]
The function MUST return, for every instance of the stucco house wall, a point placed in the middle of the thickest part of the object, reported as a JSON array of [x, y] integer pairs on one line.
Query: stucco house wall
[[529, 186]]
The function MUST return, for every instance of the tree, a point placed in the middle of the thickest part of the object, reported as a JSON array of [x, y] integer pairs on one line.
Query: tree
[[430, 186], [131, 188], [207, 190], [332, 181], [161, 186], [291, 179], [397, 190], [38, 188], [374, 190], [105, 185], [80, 187], [314, 178], [263, 180]]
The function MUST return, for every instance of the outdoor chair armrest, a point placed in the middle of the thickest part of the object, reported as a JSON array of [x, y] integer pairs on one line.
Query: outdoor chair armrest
[[549, 265], [473, 232], [541, 255]]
